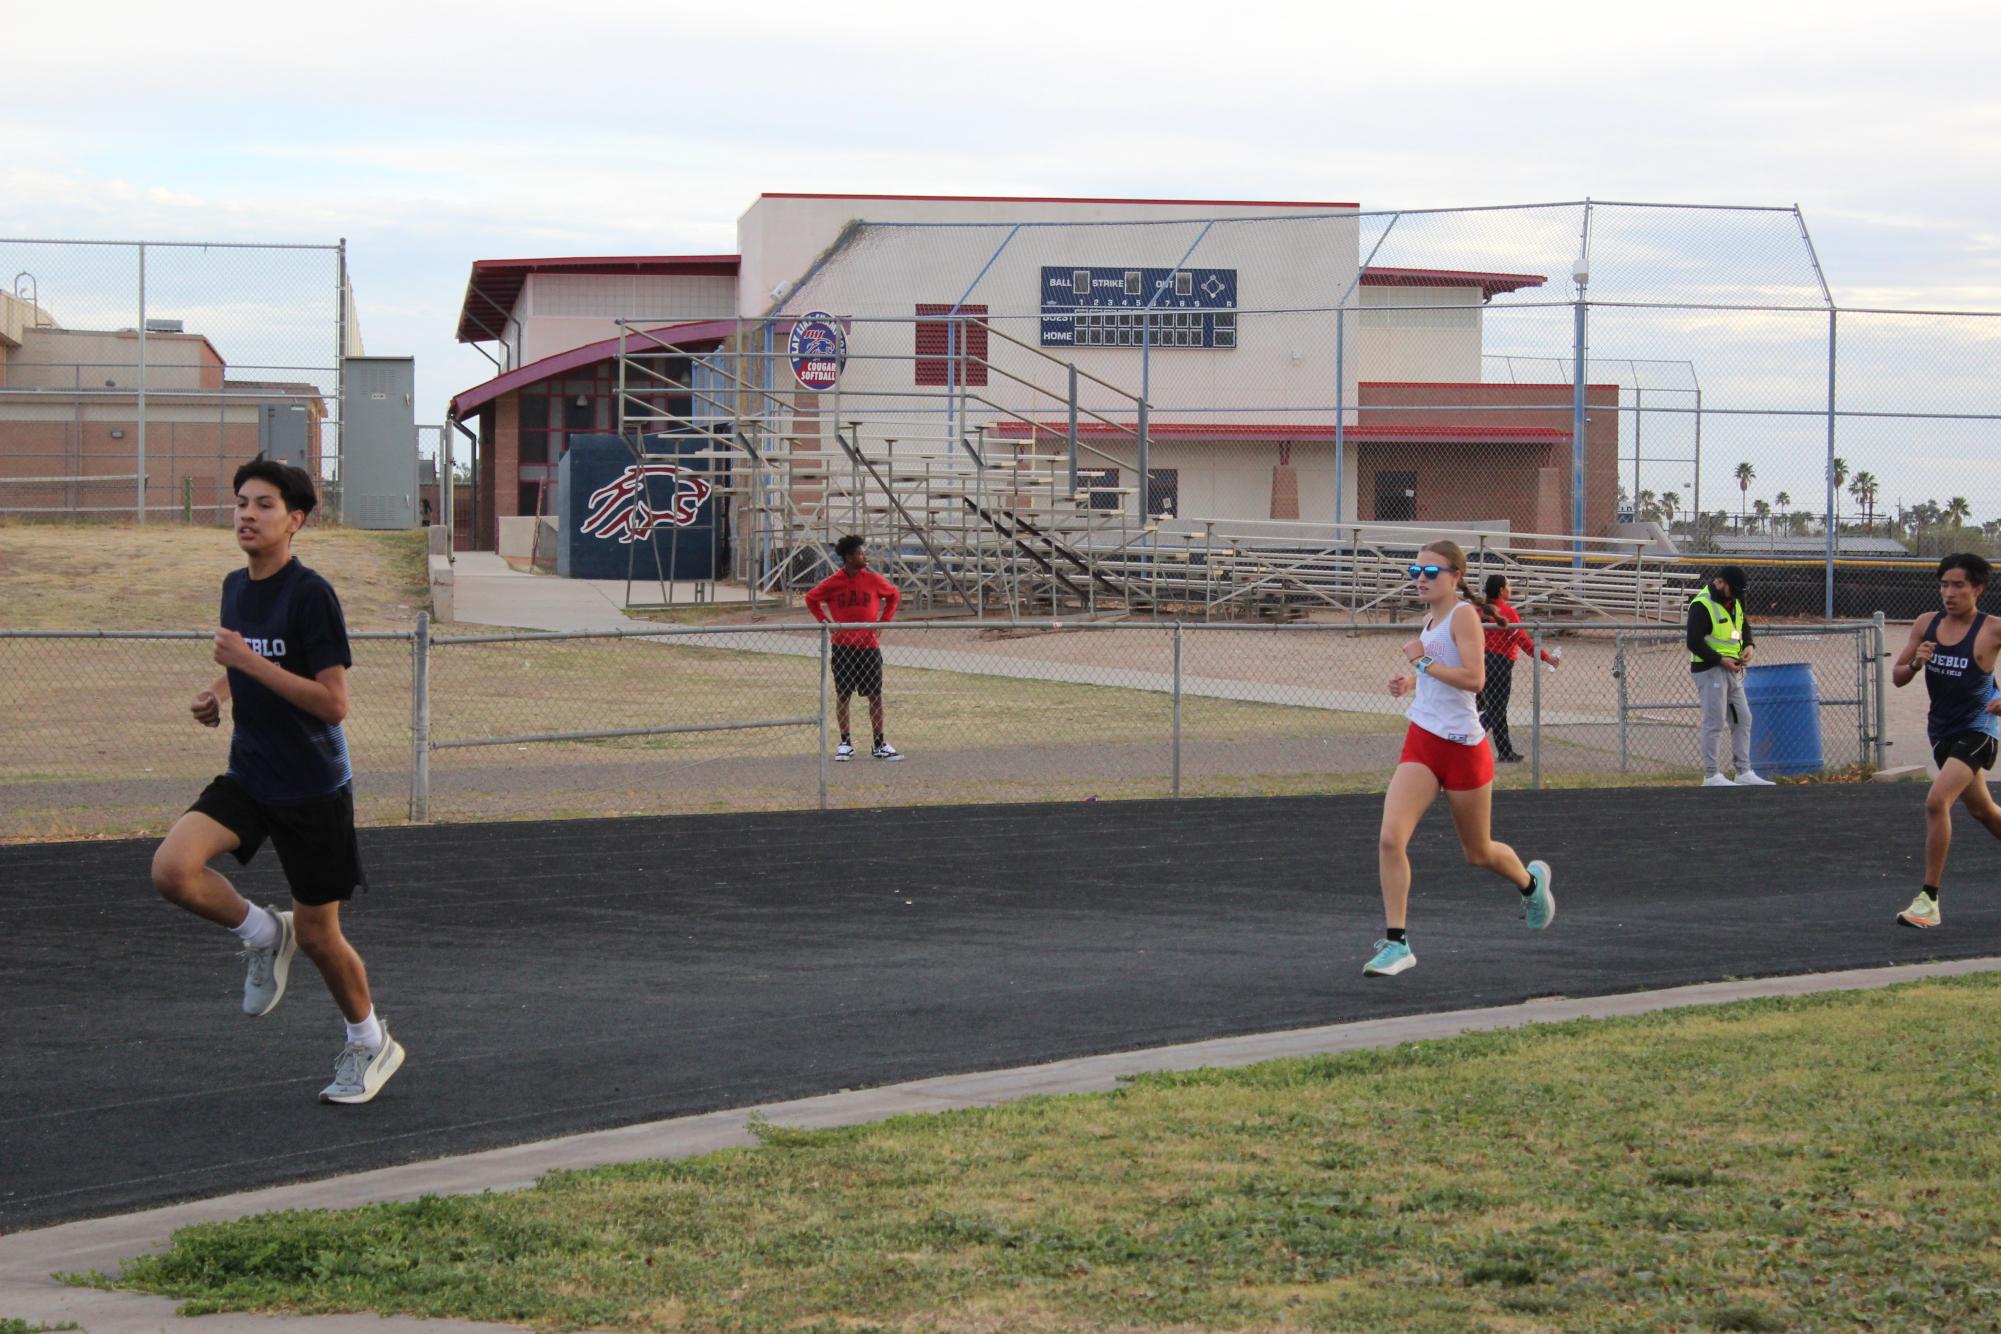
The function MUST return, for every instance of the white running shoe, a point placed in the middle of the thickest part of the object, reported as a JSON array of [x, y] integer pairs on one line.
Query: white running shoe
[[360, 1072], [885, 752], [1749, 778], [1717, 780], [844, 752], [266, 970]]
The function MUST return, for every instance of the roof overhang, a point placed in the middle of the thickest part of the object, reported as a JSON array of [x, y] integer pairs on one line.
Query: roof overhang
[[495, 284], [1490, 284], [700, 336], [1443, 433]]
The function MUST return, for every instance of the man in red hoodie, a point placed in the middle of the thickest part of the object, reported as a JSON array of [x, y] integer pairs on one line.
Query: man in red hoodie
[[855, 594]]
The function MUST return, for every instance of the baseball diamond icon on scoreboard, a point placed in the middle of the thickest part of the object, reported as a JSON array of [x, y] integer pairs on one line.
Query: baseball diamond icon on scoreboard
[[1099, 306]]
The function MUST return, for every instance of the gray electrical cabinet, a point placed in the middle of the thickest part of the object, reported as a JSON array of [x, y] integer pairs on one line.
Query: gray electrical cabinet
[[378, 466], [281, 432]]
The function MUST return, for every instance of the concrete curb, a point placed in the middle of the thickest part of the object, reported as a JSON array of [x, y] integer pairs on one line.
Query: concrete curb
[[28, 1258]]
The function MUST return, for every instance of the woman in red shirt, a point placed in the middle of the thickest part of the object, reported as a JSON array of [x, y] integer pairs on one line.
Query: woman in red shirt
[[1505, 642]]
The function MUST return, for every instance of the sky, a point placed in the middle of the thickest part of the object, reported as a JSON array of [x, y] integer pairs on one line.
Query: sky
[[429, 134]]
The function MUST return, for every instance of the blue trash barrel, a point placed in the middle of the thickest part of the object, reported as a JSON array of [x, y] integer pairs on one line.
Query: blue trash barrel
[[1785, 718]]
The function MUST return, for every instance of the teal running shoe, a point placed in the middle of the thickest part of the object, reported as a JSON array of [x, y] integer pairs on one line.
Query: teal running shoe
[[1392, 957], [1540, 909]]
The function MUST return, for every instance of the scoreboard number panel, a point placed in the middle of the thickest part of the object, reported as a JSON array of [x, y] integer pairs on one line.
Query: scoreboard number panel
[[1116, 307]]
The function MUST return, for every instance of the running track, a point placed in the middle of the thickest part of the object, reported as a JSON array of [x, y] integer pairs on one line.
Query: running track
[[557, 977]]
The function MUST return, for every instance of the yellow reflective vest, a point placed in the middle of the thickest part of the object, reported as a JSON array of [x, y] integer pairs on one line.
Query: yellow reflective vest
[[1726, 627]]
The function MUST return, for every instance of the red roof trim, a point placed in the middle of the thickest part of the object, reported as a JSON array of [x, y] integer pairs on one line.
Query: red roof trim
[[1360, 434], [1490, 284], [703, 332], [1063, 199], [1471, 384], [612, 263]]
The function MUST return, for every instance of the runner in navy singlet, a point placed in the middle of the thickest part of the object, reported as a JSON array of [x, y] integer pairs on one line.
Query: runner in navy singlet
[[1956, 650]]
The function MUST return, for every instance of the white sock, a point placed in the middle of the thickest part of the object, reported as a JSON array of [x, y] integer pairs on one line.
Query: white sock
[[368, 1032], [258, 929]]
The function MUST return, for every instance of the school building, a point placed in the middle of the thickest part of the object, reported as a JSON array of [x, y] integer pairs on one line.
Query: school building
[[1234, 349]]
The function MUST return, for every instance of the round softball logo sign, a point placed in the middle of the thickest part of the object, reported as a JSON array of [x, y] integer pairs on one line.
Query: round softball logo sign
[[818, 349]]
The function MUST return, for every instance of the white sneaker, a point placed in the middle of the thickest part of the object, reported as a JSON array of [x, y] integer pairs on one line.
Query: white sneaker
[[1717, 780], [1750, 779], [360, 1072], [844, 751], [266, 970], [885, 752]]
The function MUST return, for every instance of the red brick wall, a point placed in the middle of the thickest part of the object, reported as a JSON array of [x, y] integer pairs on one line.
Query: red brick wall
[[1526, 483]]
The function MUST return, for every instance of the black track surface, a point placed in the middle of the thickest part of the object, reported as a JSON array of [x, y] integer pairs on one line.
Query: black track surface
[[553, 978]]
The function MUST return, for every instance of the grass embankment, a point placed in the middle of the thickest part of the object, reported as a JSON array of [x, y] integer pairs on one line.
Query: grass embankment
[[1797, 1164], [167, 576]]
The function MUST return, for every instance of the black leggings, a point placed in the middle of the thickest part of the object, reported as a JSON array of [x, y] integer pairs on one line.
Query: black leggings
[[1493, 701]]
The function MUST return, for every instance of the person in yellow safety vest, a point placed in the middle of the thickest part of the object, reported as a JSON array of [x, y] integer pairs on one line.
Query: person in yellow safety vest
[[1719, 648]]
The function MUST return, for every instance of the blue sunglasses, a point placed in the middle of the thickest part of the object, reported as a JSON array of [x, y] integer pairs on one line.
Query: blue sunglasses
[[1425, 571]]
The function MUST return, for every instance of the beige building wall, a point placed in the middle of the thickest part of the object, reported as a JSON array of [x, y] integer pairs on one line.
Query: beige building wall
[[94, 359], [1418, 333], [559, 311]]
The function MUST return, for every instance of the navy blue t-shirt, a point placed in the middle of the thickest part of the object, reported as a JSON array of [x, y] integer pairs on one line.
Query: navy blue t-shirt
[[280, 753]]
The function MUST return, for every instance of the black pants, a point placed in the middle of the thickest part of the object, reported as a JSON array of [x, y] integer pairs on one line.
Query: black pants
[[1493, 701]]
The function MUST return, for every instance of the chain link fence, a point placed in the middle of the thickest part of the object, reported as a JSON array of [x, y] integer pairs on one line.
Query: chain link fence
[[136, 376], [95, 736], [1581, 382]]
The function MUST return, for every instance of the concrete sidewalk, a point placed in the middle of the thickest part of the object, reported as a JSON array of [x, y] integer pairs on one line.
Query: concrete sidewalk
[[489, 591], [28, 1259]]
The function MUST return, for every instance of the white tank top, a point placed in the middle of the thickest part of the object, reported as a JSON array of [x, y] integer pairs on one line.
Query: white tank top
[[1440, 709]]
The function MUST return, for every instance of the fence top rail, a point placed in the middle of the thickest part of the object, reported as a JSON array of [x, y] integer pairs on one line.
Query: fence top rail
[[1102, 626], [204, 635]]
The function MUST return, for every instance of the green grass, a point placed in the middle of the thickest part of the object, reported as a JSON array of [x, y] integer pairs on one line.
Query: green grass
[[9, 1325], [1795, 1164]]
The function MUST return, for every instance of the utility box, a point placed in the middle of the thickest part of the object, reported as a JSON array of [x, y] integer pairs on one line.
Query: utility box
[[378, 466], [281, 432]]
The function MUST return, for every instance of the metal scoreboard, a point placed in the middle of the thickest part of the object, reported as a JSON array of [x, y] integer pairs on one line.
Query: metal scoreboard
[[1113, 307]]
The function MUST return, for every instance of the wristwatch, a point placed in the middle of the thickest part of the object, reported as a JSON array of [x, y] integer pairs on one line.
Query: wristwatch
[[1423, 664]]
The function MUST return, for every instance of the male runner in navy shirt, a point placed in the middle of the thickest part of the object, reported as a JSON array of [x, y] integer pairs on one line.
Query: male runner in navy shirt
[[283, 648], [1956, 651]]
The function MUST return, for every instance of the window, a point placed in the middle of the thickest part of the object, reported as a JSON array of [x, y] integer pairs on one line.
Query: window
[[1163, 491], [952, 351], [534, 428], [1099, 486], [579, 412]]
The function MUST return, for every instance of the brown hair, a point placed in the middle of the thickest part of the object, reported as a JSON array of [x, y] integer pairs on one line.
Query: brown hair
[[1455, 559]]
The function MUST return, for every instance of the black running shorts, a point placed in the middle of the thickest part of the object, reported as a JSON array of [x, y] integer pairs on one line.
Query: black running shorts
[[1974, 749], [857, 671], [315, 840]]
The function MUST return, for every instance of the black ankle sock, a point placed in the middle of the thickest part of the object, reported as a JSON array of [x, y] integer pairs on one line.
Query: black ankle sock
[[845, 741], [1395, 934], [1527, 889], [1931, 892], [878, 741]]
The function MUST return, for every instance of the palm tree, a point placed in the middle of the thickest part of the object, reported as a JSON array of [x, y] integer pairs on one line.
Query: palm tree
[[1745, 472], [1648, 507], [1957, 512], [1670, 502], [1840, 476], [1761, 510], [1784, 502], [1863, 488]]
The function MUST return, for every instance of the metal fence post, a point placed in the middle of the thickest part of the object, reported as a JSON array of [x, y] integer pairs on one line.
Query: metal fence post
[[826, 656], [420, 720], [1535, 708], [1881, 655], [1619, 675], [140, 423], [1177, 708]]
